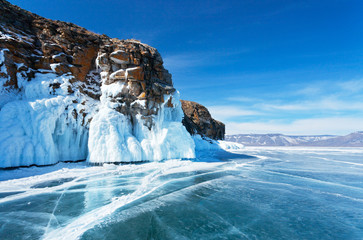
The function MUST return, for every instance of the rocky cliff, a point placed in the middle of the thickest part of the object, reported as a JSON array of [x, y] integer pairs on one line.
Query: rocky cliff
[[198, 120], [69, 94], [32, 44]]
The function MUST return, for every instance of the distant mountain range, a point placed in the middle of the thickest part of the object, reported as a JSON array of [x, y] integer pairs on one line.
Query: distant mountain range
[[351, 140]]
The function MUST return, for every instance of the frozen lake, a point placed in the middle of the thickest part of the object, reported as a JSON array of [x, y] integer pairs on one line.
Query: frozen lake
[[279, 193]]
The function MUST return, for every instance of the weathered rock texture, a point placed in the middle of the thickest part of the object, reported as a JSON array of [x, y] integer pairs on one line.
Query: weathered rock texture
[[38, 45], [140, 68], [68, 94], [198, 120]]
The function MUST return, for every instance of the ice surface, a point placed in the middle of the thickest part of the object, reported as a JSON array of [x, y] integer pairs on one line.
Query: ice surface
[[204, 144], [283, 193], [226, 145]]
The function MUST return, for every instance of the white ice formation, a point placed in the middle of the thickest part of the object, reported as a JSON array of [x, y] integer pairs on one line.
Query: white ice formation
[[113, 137], [42, 125]]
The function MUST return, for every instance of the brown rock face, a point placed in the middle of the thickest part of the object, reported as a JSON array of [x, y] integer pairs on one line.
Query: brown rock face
[[38, 42], [127, 75], [136, 67], [198, 120], [32, 44]]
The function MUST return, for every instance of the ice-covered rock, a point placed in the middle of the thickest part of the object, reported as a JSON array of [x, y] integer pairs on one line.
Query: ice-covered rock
[[68, 94], [41, 127], [114, 138]]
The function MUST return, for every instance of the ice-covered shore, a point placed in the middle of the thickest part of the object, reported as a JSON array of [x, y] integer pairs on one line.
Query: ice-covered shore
[[281, 193], [68, 94], [40, 126]]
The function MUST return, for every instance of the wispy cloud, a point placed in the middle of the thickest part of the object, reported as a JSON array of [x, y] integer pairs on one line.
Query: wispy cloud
[[339, 126], [318, 108], [224, 113], [321, 96], [243, 99], [324, 104], [196, 59], [183, 61], [322, 88], [352, 86], [309, 90]]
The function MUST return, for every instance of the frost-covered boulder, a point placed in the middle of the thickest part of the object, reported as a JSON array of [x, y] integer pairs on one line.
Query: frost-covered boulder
[[68, 94]]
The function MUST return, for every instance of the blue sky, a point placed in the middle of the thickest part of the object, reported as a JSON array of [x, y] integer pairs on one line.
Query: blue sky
[[294, 67]]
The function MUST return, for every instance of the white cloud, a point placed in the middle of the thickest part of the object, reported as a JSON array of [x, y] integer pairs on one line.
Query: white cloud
[[321, 88], [339, 126], [222, 113], [182, 61], [195, 59], [324, 103], [353, 86], [310, 90], [319, 108], [242, 99]]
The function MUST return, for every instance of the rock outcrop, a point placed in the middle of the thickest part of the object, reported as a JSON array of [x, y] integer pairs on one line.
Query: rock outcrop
[[60, 84], [33, 44], [198, 120]]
